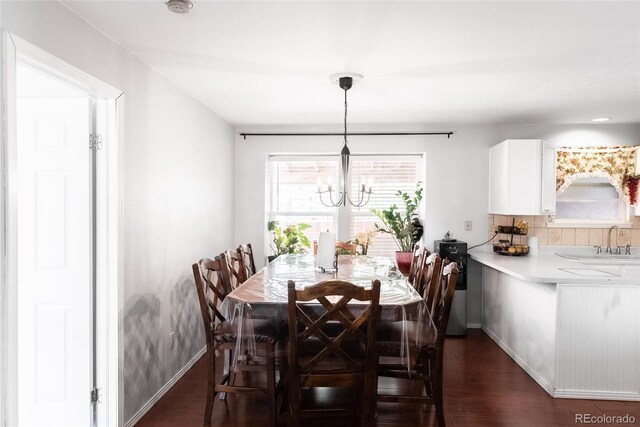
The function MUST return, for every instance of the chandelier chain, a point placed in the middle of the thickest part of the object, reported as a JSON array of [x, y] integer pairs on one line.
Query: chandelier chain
[[345, 116]]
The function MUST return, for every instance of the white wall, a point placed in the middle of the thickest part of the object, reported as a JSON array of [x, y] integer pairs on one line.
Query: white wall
[[176, 155]]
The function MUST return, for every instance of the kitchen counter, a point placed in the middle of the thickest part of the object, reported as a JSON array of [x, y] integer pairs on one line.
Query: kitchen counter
[[552, 268], [558, 321]]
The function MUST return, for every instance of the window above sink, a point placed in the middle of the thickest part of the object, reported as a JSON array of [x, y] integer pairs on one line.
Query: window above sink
[[595, 185], [591, 200]]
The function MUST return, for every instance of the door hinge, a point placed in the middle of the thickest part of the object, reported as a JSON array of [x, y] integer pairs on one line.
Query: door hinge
[[95, 396], [95, 142]]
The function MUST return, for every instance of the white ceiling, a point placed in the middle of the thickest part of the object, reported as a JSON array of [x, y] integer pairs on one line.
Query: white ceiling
[[266, 62]]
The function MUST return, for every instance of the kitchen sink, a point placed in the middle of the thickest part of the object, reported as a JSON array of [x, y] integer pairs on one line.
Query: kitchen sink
[[603, 259], [589, 272]]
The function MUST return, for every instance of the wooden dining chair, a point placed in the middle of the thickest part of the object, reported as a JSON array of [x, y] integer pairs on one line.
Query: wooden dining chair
[[346, 248], [235, 265], [333, 345], [213, 285], [246, 253], [429, 355]]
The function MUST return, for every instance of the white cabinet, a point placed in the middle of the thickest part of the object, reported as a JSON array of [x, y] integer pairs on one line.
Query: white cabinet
[[522, 177]]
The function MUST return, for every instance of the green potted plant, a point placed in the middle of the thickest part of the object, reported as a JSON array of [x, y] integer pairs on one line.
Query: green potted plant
[[405, 229], [288, 240]]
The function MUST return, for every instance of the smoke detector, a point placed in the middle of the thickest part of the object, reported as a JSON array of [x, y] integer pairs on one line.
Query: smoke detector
[[179, 6]]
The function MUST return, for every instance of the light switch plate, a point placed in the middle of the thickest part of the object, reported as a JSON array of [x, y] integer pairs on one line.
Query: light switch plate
[[467, 225]]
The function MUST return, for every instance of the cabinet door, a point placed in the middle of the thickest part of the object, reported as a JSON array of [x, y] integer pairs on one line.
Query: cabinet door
[[548, 190], [498, 178], [524, 177]]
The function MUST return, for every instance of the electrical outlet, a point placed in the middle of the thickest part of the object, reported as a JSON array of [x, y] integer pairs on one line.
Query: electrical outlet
[[171, 339], [467, 225]]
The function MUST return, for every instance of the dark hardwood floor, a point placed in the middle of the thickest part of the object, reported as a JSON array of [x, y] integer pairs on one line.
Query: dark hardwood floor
[[482, 387]]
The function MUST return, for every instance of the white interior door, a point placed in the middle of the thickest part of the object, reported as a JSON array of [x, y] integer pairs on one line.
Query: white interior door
[[55, 256]]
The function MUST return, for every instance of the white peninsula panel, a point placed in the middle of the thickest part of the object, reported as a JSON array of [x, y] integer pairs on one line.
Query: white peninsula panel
[[598, 347], [521, 317], [577, 337]]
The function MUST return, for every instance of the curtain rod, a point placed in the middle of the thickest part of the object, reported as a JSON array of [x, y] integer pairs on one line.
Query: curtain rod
[[245, 135]]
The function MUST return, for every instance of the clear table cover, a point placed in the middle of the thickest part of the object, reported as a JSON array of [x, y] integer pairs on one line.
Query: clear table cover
[[264, 296]]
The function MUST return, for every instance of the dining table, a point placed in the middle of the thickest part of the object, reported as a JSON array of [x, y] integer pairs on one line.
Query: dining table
[[264, 296]]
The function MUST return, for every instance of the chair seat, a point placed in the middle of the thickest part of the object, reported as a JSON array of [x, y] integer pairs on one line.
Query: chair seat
[[264, 331], [389, 336]]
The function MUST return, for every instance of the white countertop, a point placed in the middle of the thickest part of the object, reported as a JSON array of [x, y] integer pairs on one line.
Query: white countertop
[[547, 267]]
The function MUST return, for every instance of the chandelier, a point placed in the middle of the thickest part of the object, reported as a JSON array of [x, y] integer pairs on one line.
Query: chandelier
[[342, 197]]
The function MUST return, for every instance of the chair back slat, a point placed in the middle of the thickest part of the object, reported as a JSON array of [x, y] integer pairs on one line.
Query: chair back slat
[[415, 263], [246, 252], [235, 267], [430, 278], [343, 316], [443, 299]]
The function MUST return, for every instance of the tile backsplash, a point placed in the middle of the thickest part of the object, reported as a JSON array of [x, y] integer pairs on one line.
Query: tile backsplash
[[569, 236]]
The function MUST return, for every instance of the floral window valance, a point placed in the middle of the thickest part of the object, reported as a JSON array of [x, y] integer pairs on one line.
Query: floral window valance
[[618, 163]]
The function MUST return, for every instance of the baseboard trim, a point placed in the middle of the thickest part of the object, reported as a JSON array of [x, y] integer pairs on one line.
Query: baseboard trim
[[537, 378], [165, 388], [474, 325], [596, 395]]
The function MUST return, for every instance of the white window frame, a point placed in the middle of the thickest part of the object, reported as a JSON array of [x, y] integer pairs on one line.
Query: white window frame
[[343, 212]]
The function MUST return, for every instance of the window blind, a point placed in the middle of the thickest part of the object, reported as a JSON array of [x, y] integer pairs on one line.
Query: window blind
[[293, 196], [387, 177]]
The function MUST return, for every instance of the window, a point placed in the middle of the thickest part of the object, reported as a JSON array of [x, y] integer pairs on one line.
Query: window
[[591, 199], [592, 185], [293, 193], [388, 176], [294, 197]]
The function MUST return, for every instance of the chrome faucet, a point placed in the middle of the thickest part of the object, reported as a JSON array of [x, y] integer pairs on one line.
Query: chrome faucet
[[609, 245]]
